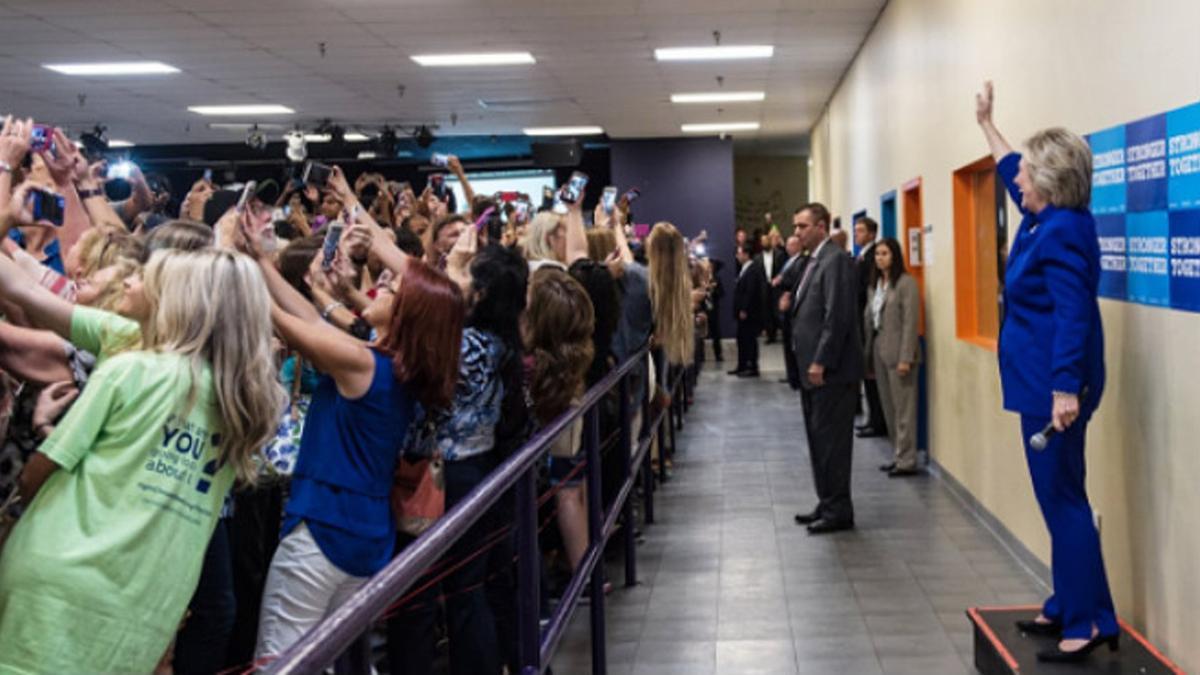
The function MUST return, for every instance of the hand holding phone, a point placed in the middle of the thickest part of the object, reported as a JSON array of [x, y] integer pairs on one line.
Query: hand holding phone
[[247, 193], [609, 199], [333, 236], [572, 193], [46, 206], [440, 160], [316, 174], [42, 138]]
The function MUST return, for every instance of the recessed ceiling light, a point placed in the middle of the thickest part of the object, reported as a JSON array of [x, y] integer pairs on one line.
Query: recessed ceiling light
[[564, 131], [249, 109], [714, 53], [718, 127], [121, 68], [114, 143], [485, 59], [719, 97]]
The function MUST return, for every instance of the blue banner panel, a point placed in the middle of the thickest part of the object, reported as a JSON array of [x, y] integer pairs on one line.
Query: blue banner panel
[[1108, 170], [1183, 157], [1185, 260], [1146, 164], [1110, 230], [1149, 281]]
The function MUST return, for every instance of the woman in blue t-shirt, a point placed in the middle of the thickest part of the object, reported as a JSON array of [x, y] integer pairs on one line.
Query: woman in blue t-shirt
[[338, 528]]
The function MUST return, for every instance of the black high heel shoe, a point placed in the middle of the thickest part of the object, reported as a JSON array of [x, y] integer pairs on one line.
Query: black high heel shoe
[[1057, 655], [1045, 628]]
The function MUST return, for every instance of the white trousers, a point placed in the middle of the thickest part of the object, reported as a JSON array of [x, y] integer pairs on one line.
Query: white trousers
[[302, 588]]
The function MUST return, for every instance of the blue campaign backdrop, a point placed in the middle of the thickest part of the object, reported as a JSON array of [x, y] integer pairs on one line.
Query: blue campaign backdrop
[[1146, 200]]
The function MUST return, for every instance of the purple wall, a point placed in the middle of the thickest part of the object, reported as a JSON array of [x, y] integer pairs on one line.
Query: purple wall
[[688, 182]]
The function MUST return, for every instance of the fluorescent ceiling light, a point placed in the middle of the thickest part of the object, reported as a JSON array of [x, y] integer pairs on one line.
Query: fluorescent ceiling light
[[122, 68], [249, 109], [719, 97], [487, 59], [563, 131], [244, 126], [114, 143], [717, 127], [714, 53], [352, 137]]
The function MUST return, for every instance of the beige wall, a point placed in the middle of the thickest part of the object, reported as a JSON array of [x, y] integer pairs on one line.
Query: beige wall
[[768, 184], [906, 109]]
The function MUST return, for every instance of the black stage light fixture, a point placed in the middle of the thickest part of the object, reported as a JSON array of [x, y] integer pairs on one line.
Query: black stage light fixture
[[387, 142], [94, 142], [423, 136]]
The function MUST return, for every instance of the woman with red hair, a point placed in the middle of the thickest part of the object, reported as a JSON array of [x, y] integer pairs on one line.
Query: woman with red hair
[[338, 528]]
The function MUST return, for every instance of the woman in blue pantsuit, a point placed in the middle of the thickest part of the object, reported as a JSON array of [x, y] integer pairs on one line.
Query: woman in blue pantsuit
[[1052, 367]]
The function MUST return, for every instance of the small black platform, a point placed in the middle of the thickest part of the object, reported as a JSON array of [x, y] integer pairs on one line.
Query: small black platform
[[1001, 649]]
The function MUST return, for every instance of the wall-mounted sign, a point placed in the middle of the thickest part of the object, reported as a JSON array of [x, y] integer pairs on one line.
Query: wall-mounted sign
[[1146, 200]]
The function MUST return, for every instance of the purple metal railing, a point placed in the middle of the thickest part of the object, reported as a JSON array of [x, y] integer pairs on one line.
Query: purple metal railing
[[323, 644]]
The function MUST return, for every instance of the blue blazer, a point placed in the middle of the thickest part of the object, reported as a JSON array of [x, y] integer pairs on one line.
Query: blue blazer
[[1051, 338]]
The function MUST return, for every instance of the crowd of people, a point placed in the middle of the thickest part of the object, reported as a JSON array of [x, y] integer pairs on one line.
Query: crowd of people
[[211, 416]]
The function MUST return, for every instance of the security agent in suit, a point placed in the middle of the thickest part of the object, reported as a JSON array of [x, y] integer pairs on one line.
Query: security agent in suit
[[893, 351], [1051, 351], [784, 286], [772, 257], [825, 338], [713, 309], [866, 231], [750, 309]]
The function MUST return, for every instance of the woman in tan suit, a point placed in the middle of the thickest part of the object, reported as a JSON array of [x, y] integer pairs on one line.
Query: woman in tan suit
[[892, 351]]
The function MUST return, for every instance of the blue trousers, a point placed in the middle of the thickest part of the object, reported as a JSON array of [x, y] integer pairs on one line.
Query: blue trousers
[[1081, 596]]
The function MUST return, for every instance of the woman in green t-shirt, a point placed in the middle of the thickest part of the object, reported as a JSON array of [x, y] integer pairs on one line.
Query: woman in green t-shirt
[[124, 494]]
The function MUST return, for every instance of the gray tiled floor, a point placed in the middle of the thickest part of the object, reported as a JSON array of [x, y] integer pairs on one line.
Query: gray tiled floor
[[730, 584]]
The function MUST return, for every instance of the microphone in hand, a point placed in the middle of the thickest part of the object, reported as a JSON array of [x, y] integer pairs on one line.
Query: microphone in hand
[[1039, 440]]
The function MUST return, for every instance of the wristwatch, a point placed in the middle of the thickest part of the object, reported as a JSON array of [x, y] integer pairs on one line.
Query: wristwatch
[[329, 309], [88, 194]]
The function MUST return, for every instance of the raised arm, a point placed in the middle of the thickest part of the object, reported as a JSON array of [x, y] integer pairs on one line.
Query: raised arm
[[983, 115], [90, 183], [456, 168], [382, 245], [576, 234], [43, 308]]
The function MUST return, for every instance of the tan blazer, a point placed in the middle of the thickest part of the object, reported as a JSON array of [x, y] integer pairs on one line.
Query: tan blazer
[[897, 338]]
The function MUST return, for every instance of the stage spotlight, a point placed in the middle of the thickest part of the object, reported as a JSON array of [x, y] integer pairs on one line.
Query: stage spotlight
[[94, 142], [387, 142], [297, 148], [423, 136], [256, 139]]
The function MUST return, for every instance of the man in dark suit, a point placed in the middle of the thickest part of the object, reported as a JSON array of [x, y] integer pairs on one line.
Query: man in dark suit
[[750, 308], [866, 231], [825, 337], [773, 257], [784, 285]]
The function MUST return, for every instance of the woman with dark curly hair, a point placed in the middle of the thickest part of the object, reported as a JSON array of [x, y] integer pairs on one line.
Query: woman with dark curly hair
[[558, 335]]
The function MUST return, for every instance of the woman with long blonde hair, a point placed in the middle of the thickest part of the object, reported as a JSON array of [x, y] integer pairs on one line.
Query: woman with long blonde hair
[[130, 482], [671, 292]]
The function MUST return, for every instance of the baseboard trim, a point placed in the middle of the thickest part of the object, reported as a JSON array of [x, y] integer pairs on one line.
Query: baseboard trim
[[1032, 564]]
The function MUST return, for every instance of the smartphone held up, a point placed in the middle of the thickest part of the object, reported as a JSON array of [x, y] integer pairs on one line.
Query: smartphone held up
[[47, 207]]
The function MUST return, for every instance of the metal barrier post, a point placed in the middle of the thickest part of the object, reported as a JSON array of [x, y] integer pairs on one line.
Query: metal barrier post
[[626, 450], [595, 499], [528, 576]]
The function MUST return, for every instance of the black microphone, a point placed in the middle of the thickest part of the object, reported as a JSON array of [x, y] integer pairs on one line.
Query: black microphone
[[1039, 440]]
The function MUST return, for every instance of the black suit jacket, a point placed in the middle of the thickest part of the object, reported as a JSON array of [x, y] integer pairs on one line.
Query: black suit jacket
[[750, 294], [865, 263], [825, 318]]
